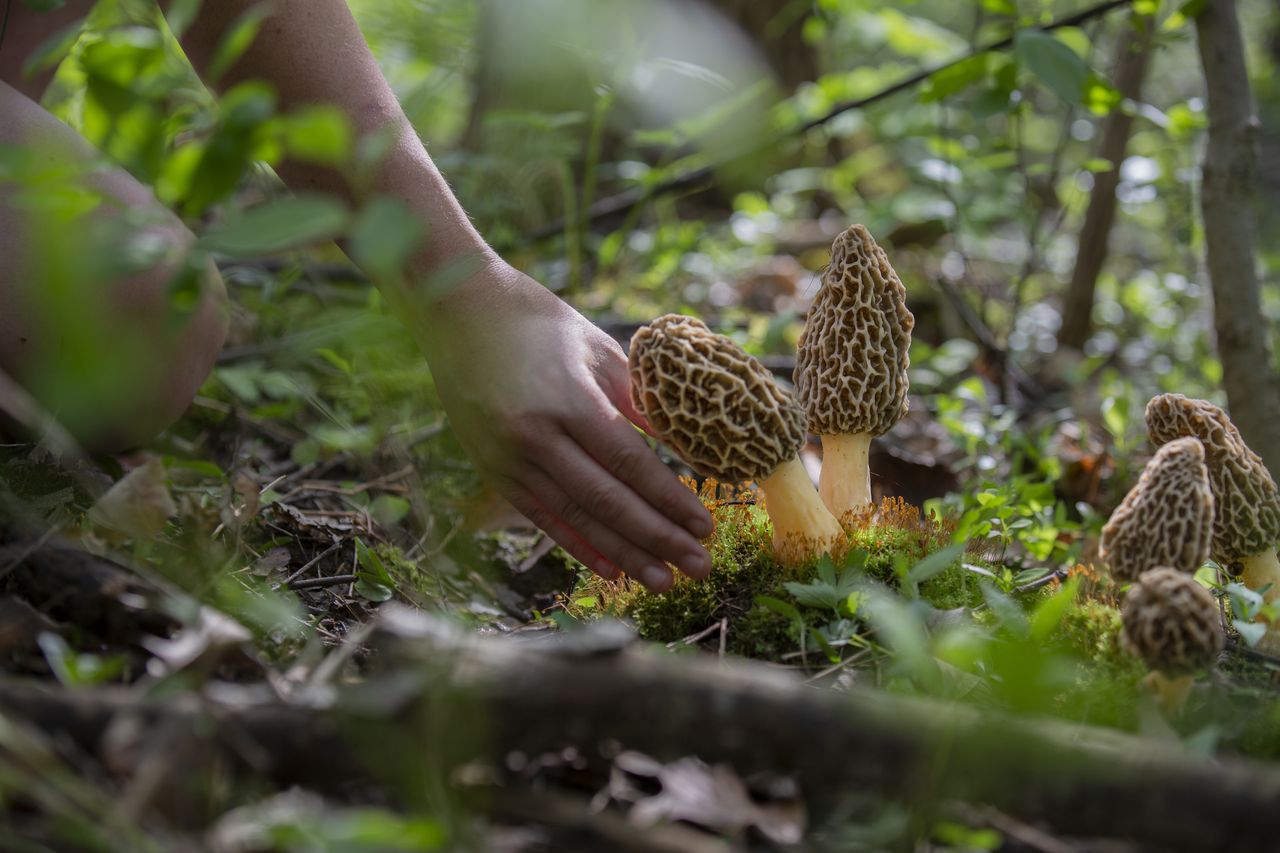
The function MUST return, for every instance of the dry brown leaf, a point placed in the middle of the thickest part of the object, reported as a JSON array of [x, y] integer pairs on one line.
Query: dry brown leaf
[[138, 505], [713, 797]]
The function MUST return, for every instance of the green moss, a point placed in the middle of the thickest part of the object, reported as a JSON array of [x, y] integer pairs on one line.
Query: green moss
[[1090, 629], [744, 569], [892, 550]]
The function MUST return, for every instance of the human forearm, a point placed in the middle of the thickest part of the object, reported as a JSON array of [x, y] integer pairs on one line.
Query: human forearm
[[312, 52]]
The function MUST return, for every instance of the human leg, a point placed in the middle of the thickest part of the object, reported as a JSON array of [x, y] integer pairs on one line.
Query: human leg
[[107, 349]]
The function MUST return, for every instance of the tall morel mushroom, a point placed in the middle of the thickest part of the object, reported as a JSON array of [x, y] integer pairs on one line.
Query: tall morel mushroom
[[722, 412], [1166, 519], [1171, 623], [851, 364], [1246, 520]]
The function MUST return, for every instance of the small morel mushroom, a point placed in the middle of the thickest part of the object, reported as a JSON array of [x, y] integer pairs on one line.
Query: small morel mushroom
[[1166, 519], [1246, 521], [851, 365], [1171, 623], [722, 412]]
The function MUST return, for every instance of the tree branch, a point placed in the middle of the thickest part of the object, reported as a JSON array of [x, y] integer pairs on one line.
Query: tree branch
[[451, 698], [703, 177]]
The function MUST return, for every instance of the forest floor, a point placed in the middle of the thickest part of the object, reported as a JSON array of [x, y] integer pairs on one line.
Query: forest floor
[[218, 643]]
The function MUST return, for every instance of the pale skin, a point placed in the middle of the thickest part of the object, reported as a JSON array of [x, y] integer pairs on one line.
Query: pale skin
[[536, 393]]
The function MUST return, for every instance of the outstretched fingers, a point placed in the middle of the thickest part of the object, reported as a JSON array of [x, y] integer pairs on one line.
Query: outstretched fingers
[[615, 445], [613, 504], [600, 549]]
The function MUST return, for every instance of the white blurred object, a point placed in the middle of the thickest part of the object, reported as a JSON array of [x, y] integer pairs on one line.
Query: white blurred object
[[668, 62]]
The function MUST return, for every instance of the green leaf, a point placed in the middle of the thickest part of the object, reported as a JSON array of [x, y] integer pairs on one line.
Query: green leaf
[[389, 509], [1007, 611], [320, 134], [957, 77], [277, 226], [816, 594], [782, 608], [241, 381], [53, 49], [1048, 616], [1058, 66], [373, 581], [1100, 97], [383, 237], [936, 563], [334, 359], [44, 5], [237, 40]]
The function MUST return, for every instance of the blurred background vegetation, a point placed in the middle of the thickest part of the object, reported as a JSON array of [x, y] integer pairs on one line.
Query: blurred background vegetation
[[646, 157]]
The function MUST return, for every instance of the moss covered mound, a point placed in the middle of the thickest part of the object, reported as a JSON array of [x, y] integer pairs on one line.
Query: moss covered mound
[[886, 542]]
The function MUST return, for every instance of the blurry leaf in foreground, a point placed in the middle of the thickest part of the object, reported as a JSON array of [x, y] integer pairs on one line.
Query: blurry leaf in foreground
[[76, 670], [49, 53], [139, 505], [1058, 66], [319, 134], [383, 237], [277, 226], [207, 642], [299, 820]]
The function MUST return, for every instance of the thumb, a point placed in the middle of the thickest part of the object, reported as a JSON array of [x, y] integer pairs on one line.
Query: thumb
[[616, 384]]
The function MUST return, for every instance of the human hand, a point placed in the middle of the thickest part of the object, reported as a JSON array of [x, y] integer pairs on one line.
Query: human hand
[[538, 396]]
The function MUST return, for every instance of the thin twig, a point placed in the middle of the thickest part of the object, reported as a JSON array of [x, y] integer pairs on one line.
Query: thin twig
[[625, 202], [694, 638], [319, 583], [317, 558]]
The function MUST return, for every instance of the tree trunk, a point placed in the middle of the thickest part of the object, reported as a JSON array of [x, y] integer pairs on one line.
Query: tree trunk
[[1227, 199], [1130, 68]]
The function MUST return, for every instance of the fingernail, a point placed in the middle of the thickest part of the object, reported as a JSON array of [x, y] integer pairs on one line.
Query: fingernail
[[696, 564], [701, 526], [655, 578]]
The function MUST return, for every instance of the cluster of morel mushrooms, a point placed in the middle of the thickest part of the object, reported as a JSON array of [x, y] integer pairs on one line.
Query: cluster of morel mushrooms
[[722, 412], [1203, 494]]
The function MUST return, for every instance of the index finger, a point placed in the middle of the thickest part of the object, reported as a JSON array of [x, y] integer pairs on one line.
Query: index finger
[[616, 445]]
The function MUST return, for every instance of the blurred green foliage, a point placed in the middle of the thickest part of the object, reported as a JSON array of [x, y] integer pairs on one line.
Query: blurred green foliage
[[977, 179]]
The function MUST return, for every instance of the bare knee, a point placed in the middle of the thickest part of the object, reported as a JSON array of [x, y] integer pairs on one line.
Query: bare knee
[[116, 360]]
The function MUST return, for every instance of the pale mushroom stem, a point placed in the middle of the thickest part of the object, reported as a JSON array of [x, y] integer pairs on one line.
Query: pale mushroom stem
[[1171, 691], [845, 481], [802, 526], [1258, 571]]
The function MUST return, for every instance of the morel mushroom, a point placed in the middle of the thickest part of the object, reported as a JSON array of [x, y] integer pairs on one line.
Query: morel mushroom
[[851, 365], [1246, 521], [1171, 623], [721, 411], [1166, 519]]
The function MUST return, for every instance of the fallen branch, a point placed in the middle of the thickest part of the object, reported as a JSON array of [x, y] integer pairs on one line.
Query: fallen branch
[[454, 698]]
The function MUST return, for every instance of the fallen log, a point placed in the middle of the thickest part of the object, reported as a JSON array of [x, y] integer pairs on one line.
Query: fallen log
[[455, 698]]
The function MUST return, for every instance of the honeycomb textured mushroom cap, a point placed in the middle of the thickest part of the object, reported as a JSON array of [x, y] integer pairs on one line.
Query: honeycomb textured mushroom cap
[[1166, 519], [851, 365], [1246, 517], [715, 405], [1171, 622]]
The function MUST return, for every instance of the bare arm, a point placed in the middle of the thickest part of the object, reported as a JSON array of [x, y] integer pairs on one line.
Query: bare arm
[[537, 394]]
